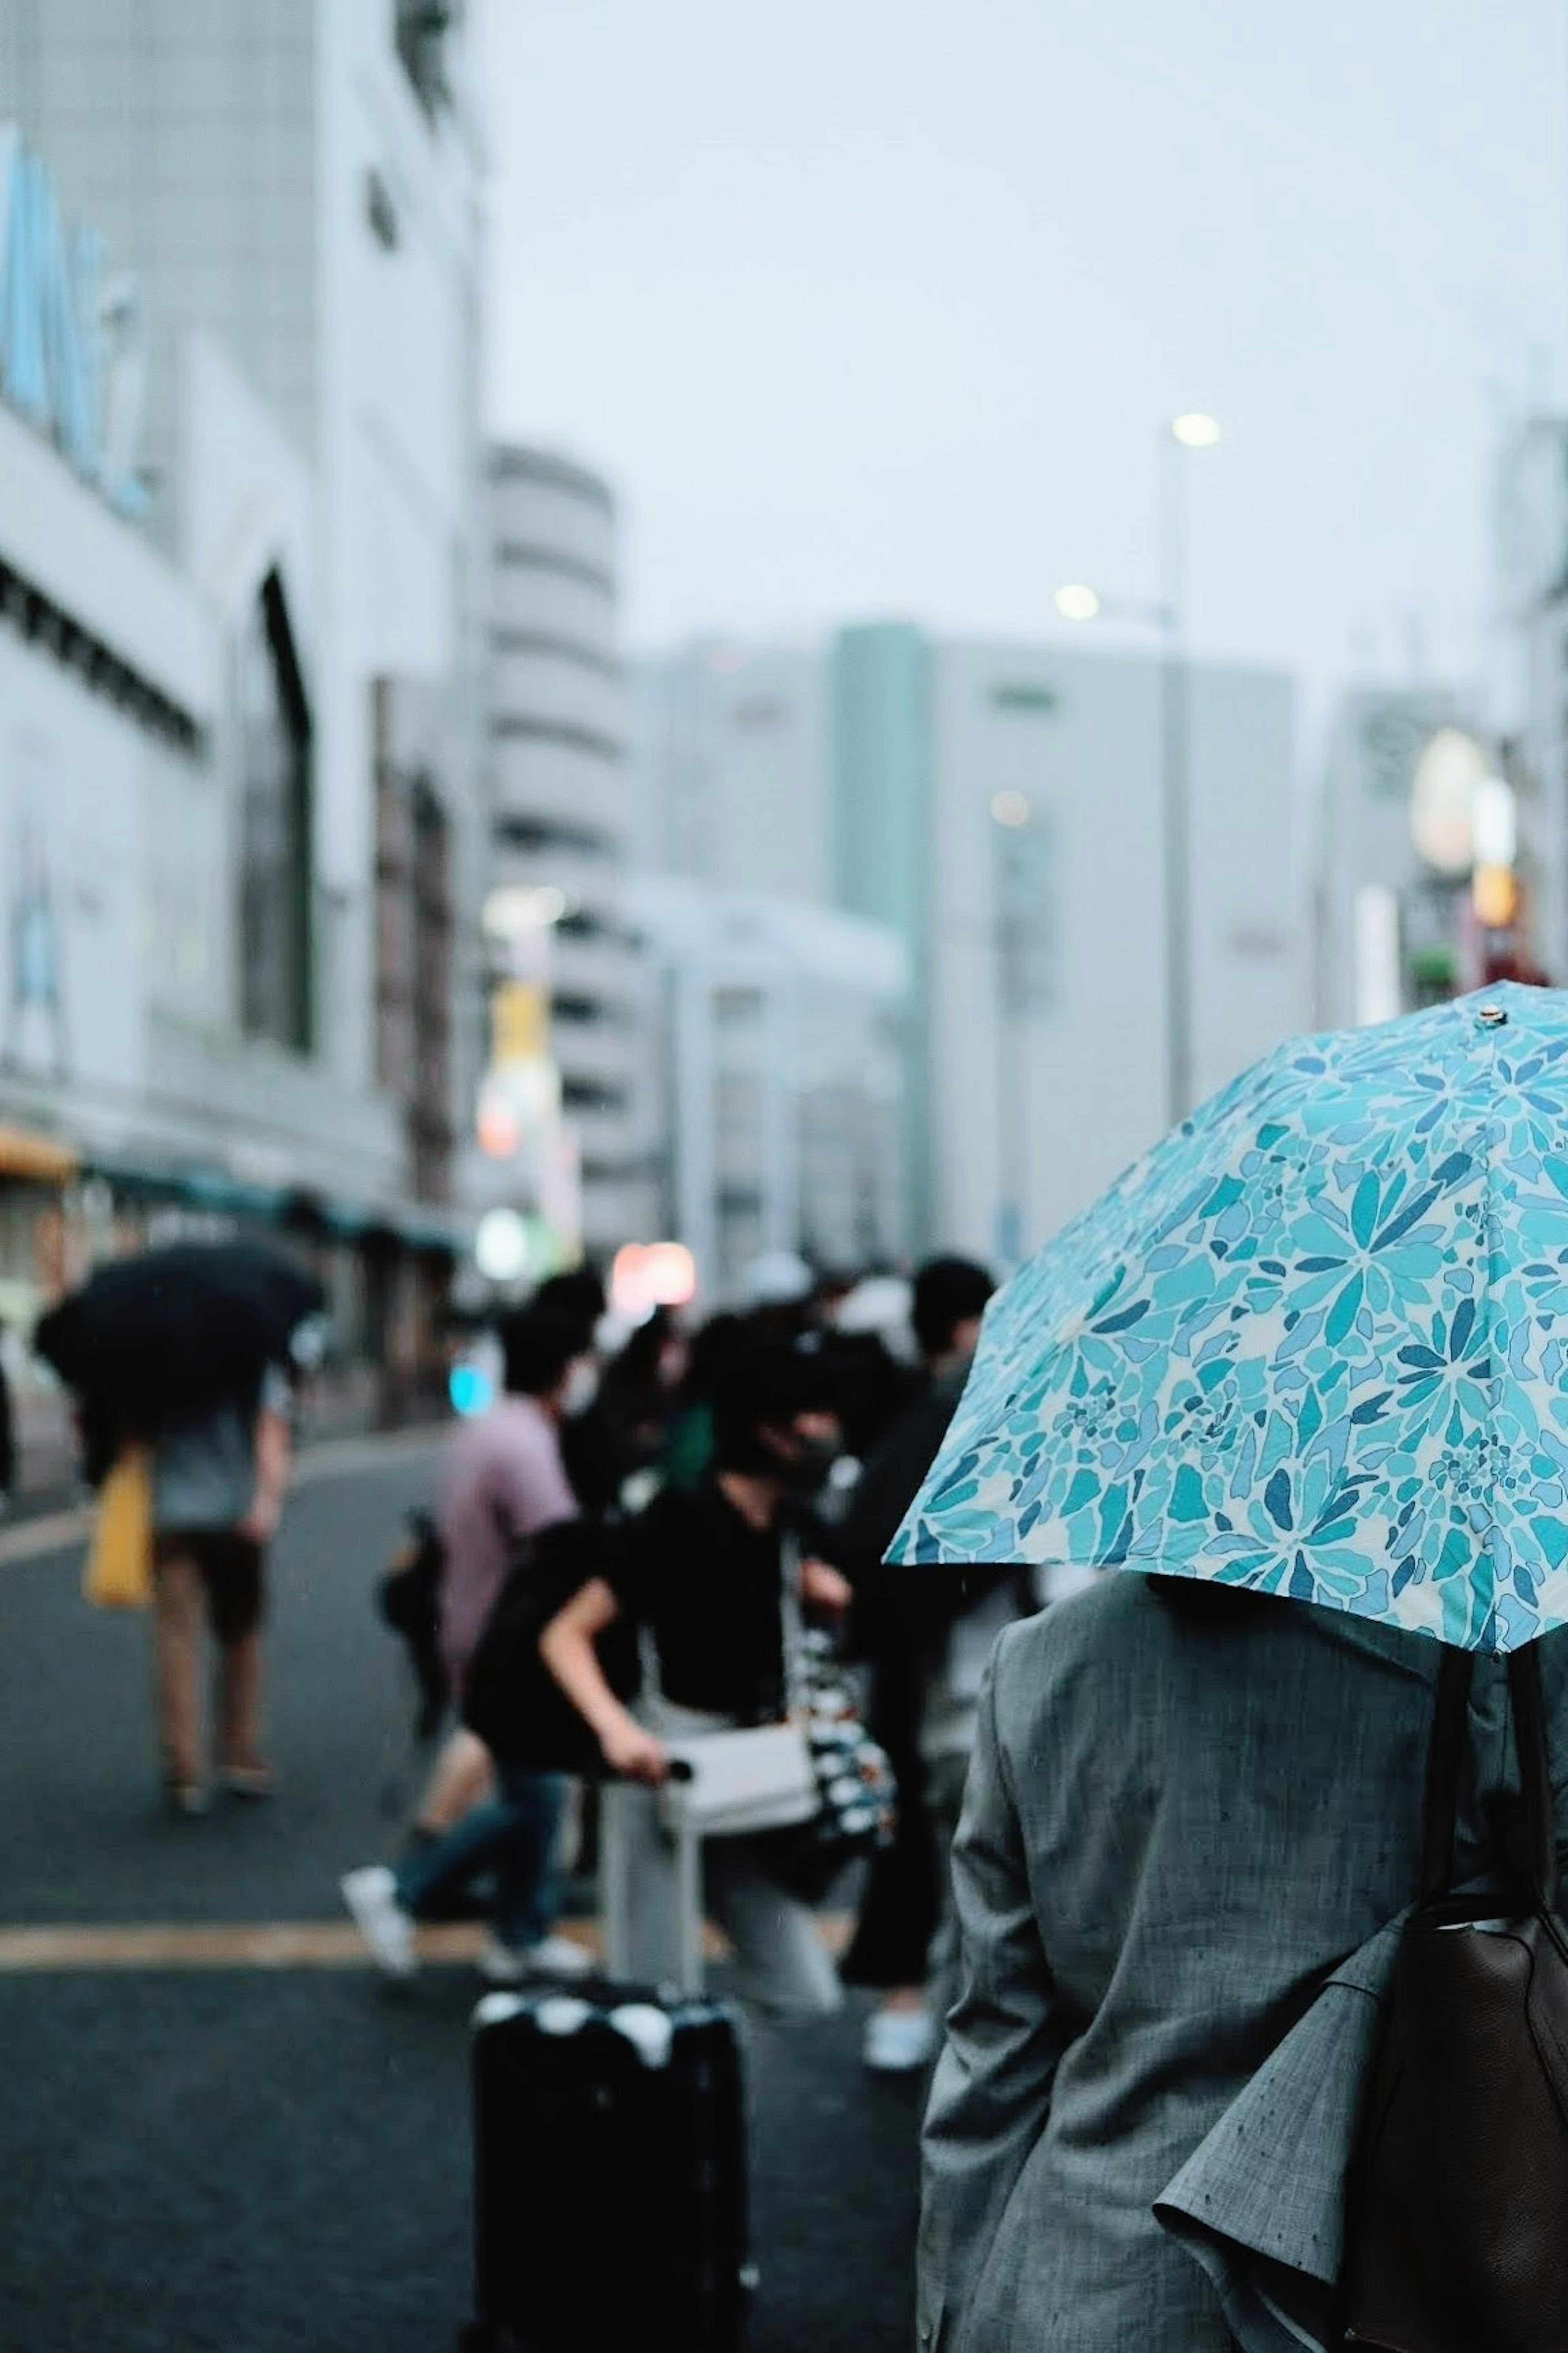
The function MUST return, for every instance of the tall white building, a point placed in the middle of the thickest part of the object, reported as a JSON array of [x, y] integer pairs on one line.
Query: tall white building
[[558, 844], [779, 1054], [241, 576], [299, 182], [1000, 810], [1046, 914], [734, 753]]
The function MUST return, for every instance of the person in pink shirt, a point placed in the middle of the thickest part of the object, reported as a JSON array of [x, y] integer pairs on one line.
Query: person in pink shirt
[[502, 1482], [503, 1478]]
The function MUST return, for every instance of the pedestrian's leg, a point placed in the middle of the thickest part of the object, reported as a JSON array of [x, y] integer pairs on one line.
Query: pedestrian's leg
[[783, 1964], [234, 1584], [900, 1903], [462, 1778], [240, 1707], [177, 1621], [528, 1883], [436, 1873]]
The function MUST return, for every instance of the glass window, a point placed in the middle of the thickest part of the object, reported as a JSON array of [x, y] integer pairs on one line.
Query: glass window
[[275, 819]]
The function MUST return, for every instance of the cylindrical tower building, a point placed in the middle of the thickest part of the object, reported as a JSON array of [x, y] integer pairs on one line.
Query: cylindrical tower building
[[560, 802]]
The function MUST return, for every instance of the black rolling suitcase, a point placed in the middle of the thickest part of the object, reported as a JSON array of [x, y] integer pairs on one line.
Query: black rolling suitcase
[[610, 2171]]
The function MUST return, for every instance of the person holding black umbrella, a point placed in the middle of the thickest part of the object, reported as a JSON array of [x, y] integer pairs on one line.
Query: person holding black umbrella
[[187, 1354]]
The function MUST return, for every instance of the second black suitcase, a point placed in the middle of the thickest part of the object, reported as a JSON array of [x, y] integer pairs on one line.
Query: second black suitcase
[[611, 2174]]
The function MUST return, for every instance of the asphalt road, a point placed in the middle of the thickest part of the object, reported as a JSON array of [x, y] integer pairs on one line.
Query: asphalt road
[[251, 2157]]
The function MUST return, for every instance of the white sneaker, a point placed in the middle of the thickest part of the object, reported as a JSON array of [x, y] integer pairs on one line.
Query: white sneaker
[[898, 2041], [552, 1956], [371, 1895]]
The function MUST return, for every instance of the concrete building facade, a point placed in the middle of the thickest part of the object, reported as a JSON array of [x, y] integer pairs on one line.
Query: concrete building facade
[[297, 183], [242, 568], [554, 908], [734, 769], [998, 808], [1047, 1044], [777, 1046]]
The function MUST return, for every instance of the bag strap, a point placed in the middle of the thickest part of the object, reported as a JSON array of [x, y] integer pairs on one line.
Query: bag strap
[[1444, 1758], [792, 1559], [1534, 1771]]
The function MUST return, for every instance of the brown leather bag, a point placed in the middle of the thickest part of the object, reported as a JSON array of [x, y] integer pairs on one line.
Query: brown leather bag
[[1456, 2201]]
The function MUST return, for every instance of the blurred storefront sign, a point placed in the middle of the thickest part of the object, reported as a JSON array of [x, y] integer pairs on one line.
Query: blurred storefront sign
[[73, 335], [520, 1128], [1435, 860], [520, 1100], [1495, 897], [519, 1026]]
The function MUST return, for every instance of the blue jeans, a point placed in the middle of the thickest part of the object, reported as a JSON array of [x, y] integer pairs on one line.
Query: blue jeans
[[514, 1841]]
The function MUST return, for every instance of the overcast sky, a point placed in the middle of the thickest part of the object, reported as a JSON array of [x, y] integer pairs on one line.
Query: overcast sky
[[872, 306]]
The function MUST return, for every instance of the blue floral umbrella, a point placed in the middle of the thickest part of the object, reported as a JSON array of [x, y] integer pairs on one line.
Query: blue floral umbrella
[[1314, 1343]]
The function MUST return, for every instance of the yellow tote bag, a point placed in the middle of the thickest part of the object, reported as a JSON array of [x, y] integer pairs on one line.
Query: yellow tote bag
[[120, 1564]]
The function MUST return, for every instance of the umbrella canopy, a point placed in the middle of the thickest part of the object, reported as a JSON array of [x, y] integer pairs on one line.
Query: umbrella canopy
[[1315, 1343], [151, 1338]]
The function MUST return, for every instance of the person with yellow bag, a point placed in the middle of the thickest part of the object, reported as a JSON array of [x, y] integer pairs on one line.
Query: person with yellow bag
[[178, 1358]]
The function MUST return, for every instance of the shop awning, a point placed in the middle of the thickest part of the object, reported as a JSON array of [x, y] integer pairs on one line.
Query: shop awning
[[424, 1227]]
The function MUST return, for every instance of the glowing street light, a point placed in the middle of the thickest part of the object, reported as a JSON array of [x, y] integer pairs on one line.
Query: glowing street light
[[503, 1247], [1075, 601], [1010, 809], [1495, 823], [1196, 429]]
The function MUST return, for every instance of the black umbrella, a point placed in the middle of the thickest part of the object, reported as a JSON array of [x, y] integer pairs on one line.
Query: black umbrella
[[149, 1339]]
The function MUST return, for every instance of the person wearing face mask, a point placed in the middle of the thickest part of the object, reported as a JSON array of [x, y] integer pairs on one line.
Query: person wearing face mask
[[589, 1447], [702, 1574], [504, 1481]]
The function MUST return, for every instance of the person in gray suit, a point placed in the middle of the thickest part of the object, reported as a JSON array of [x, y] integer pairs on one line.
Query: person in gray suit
[[1187, 1807]]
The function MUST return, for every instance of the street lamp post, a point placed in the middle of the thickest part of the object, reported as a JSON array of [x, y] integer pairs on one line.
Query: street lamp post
[[1176, 790], [1193, 429], [1011, 817]]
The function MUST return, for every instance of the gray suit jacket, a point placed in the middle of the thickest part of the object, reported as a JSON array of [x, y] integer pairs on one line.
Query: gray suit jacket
[[1176, 1837]]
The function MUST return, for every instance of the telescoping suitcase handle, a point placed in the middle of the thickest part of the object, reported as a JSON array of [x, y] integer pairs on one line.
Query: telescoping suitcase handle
[[650, 1885]]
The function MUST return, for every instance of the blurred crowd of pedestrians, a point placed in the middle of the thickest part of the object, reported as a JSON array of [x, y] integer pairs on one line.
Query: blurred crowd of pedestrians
[[671, 1516]]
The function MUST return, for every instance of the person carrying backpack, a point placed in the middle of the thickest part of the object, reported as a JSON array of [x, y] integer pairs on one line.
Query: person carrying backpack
[[504, 1481]]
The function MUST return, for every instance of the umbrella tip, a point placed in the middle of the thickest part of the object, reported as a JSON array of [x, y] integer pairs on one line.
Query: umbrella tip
[[1492, 1017]]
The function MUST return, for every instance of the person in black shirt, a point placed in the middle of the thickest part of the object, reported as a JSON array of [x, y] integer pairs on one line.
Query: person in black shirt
[[702, 1574]]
